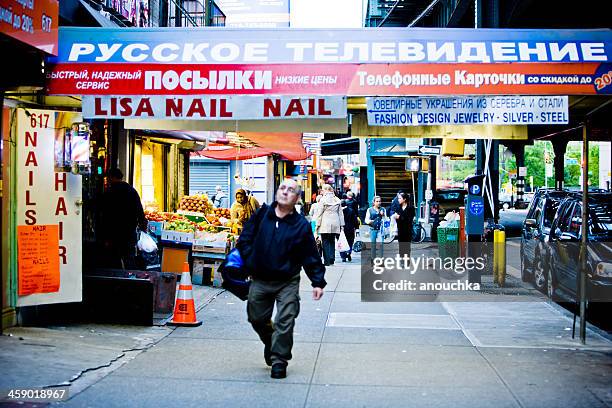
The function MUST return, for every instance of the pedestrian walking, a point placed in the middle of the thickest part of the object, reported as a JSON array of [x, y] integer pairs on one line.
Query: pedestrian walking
[[330, 221], [121, 213], [313, 222], [404, 216], [351, 223], [314, 206], [374, 218], [274, 254], [351, 202]]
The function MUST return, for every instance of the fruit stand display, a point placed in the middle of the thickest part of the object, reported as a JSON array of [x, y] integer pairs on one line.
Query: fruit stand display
[[207, 232], [157, 219]]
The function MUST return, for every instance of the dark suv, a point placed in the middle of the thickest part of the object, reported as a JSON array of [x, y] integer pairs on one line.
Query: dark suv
[[563, 250], [534, 235]]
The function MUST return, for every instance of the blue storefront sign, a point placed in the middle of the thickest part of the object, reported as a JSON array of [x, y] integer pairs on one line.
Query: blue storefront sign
[[363, 46]]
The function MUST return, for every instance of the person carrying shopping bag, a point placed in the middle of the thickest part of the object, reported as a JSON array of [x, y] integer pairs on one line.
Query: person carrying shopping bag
[[374, 219], [351, 223], [330, 221]]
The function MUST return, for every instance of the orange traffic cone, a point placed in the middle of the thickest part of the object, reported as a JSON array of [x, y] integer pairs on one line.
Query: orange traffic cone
[[184, 308]]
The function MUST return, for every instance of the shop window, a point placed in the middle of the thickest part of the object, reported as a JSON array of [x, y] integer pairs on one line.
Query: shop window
[[146, 169]]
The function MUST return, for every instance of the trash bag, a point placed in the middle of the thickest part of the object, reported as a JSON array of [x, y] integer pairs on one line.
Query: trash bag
[[342, 244], [146, 243]]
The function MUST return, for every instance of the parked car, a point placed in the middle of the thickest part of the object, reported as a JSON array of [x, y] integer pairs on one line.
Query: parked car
[[527, 198], [450, 199], [534, 234], [505, 200], [562, 266]]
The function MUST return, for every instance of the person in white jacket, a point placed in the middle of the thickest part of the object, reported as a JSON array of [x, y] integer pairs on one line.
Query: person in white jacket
[[330, 221]]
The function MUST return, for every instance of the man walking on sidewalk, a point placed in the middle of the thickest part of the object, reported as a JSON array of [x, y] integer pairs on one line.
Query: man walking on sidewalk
[[274, 250]]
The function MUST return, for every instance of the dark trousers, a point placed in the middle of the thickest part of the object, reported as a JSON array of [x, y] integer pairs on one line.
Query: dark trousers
[[404, 237], [329, 248], [120, 255], [262, 296]]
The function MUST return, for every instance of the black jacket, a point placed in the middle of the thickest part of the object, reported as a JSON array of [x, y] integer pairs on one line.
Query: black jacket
[[350, 219], [280, 247], [121, 213]]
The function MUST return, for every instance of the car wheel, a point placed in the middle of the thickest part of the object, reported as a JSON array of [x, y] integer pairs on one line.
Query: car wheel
[[539, 275]]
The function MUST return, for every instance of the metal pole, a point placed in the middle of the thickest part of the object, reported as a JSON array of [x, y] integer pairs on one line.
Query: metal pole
[[585, 228]]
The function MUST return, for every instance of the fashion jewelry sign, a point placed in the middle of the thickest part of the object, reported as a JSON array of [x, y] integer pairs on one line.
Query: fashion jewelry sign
[[469, 110]]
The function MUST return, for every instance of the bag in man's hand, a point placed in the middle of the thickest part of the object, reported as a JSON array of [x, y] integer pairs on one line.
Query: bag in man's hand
[[146, 243], [235, 278]]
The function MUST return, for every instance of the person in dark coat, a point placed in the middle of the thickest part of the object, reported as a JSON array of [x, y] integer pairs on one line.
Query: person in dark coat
[[121, 214], [351, 202], [404, 216], [351, 223], [274, 254]]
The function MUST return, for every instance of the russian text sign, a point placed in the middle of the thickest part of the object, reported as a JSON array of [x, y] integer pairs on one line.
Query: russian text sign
[[363, 46], [468, 110], [214, 107]]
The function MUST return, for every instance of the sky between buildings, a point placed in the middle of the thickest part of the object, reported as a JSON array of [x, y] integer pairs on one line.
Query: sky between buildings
[[327, 13]]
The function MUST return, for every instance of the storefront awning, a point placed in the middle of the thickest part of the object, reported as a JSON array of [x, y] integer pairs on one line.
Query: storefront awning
[[287, 145]]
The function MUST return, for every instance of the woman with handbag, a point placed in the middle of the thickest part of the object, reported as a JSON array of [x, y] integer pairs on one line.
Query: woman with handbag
[[374, 218], [330, 221], [404, 215]]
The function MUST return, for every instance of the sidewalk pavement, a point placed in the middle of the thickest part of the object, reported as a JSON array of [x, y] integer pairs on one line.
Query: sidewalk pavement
[[347, 353]]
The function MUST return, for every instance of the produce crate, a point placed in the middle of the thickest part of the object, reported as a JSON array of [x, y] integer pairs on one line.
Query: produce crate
[[448, 234], [208, 246], [176, 236]]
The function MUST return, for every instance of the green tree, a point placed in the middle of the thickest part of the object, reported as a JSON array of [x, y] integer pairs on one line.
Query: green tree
[[572, 171]]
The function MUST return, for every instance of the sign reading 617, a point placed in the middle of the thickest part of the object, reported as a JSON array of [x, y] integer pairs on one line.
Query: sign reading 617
[[46, 23]]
